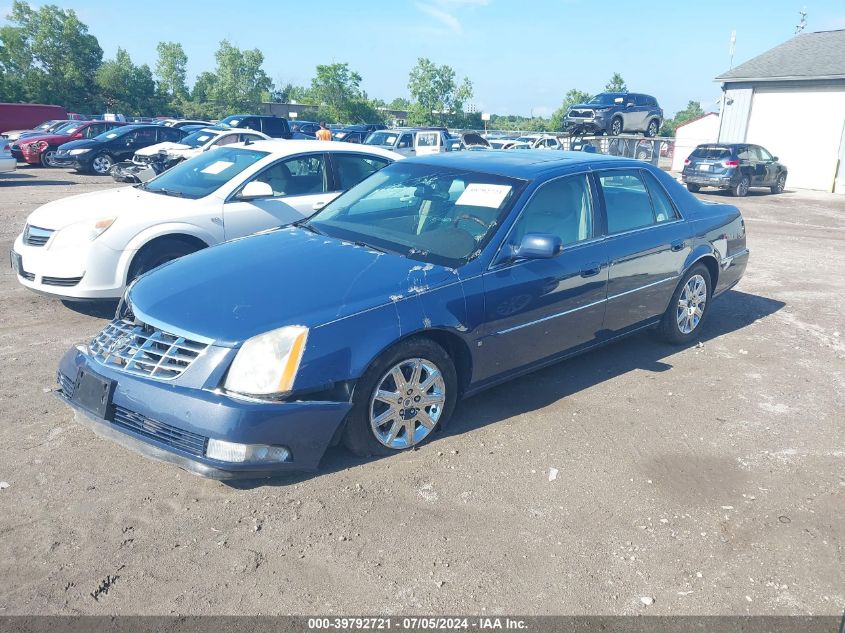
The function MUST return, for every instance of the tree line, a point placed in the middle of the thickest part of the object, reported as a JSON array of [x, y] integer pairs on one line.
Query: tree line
[[47, 55]]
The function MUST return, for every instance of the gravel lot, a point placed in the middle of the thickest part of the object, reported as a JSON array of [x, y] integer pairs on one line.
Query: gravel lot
[[711, 479]]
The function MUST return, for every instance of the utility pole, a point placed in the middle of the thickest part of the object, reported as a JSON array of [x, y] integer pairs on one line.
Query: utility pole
[[802, 23]]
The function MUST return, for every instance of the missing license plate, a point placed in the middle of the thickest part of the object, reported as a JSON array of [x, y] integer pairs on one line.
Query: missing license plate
[[93, 393]]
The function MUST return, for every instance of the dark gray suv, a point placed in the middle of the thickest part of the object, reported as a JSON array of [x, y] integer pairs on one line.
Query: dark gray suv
[[614, 113]]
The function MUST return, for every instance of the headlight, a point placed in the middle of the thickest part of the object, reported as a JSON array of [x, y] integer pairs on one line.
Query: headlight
[[37, 146], [605, 109], [79, 233], [267, 364], [77, 152]]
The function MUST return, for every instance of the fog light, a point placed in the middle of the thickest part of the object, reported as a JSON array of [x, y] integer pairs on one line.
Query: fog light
[[245, 453]]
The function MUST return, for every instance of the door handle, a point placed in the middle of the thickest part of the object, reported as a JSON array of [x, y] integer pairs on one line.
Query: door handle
[[591, 270], [678, 246]]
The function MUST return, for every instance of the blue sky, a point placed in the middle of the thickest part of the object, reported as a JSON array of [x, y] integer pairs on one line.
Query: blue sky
[[522, 56]]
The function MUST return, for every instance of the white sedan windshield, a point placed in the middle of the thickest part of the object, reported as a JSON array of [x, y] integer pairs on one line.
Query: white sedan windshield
[[204, 174]]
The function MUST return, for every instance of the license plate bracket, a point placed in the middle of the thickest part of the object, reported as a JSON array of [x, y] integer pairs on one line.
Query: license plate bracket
[[93, 393]]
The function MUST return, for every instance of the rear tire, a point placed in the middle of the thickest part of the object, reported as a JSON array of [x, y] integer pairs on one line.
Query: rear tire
[[780, 184], [362, 422], [693, 188], [157, 253], [688, 308], [740, 189]]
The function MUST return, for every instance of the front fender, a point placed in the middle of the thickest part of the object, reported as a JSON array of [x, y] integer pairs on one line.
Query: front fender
[[161, 230]]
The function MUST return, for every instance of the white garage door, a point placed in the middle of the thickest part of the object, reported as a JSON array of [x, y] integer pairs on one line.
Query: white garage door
[[803, 128]]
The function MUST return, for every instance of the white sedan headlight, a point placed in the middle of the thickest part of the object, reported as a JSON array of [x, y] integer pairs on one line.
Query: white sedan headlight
[[77, 152], [80, 233], [267, 364]]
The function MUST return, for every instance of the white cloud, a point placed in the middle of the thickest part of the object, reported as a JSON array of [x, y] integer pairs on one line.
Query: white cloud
[[444, 11], [444, 17]]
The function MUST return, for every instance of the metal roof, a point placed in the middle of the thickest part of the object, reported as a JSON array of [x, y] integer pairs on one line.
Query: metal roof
[[819, 55]]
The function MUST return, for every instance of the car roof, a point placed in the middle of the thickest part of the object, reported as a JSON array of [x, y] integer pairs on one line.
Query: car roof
[[519, 163], [288, 147]]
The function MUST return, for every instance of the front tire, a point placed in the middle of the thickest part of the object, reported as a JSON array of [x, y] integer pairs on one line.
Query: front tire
[[157, 253], [740, 189], [616, 127], [780, 184], [693, 188], [102, 164], [689, 306], [47, 158], [652, 128], [407, 393]]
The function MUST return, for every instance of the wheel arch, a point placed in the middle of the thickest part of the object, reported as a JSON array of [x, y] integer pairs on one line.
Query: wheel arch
[[708, 258], [184, 232]]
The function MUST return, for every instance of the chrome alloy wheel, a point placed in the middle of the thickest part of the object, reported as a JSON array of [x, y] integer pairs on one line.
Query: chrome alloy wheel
[[407, 403], [101, 164], [691, 304]]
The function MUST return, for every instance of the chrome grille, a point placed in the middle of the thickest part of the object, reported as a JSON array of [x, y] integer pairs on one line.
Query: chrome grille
[[136, 348], [66, 385], [36, 236], [587, 114], [170, 435]]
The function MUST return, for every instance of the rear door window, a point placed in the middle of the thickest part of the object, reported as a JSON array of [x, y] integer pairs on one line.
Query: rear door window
[[664, 210], [351, 169], [274, 127], [626, 200]]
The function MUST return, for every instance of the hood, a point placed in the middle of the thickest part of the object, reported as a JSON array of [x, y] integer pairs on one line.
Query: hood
[[97, 205], [289, 276], [590, 106], [167, 146], [53, 139], [80, 144]]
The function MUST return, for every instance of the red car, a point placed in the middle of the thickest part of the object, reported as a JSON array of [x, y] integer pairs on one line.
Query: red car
[[39, 150]]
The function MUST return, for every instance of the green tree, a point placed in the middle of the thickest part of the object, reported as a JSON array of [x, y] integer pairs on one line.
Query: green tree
[[692, 111], [337, 90], [238, 84], [171, 69], [399, 103], [47, 55], [571, 97], [126, 88], [616, 84], [438, 97]]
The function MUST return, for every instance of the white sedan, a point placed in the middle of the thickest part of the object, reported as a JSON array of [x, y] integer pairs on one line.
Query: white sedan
[[7, 161], [90, 246], [199, 142]]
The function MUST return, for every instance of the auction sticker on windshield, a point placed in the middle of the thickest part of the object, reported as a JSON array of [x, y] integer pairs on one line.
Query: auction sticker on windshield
[[217, 167], [481, 195]]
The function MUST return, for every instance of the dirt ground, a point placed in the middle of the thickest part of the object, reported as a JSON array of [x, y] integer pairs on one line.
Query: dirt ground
[[710, 479]]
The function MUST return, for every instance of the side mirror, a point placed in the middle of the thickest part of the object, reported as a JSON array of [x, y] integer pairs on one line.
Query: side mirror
[[256, 190], [775, 158], [538, 246], [630, 104], [77, 135]]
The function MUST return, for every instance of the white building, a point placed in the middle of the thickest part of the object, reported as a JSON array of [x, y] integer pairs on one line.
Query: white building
[[704, 129], [791, 100]]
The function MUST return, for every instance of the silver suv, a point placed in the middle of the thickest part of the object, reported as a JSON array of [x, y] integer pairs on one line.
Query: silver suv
[[411, 141], [614, 113]]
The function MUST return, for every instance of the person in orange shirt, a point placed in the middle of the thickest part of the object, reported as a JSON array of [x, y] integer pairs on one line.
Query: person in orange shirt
[[324, 134]]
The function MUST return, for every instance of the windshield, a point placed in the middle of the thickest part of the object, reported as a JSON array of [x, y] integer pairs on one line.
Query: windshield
[[232, 121], [67, 129], [382, 138], [115, 132], [427, 213], [198, 138], [205, 174], [606, 99], [712, 152]]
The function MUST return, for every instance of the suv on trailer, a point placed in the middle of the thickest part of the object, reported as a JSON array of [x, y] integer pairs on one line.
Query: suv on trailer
[[733, 166], [272, 126], [616, 112]]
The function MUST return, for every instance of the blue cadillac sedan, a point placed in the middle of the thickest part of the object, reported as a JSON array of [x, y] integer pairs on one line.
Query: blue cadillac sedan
[[431, 280]]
